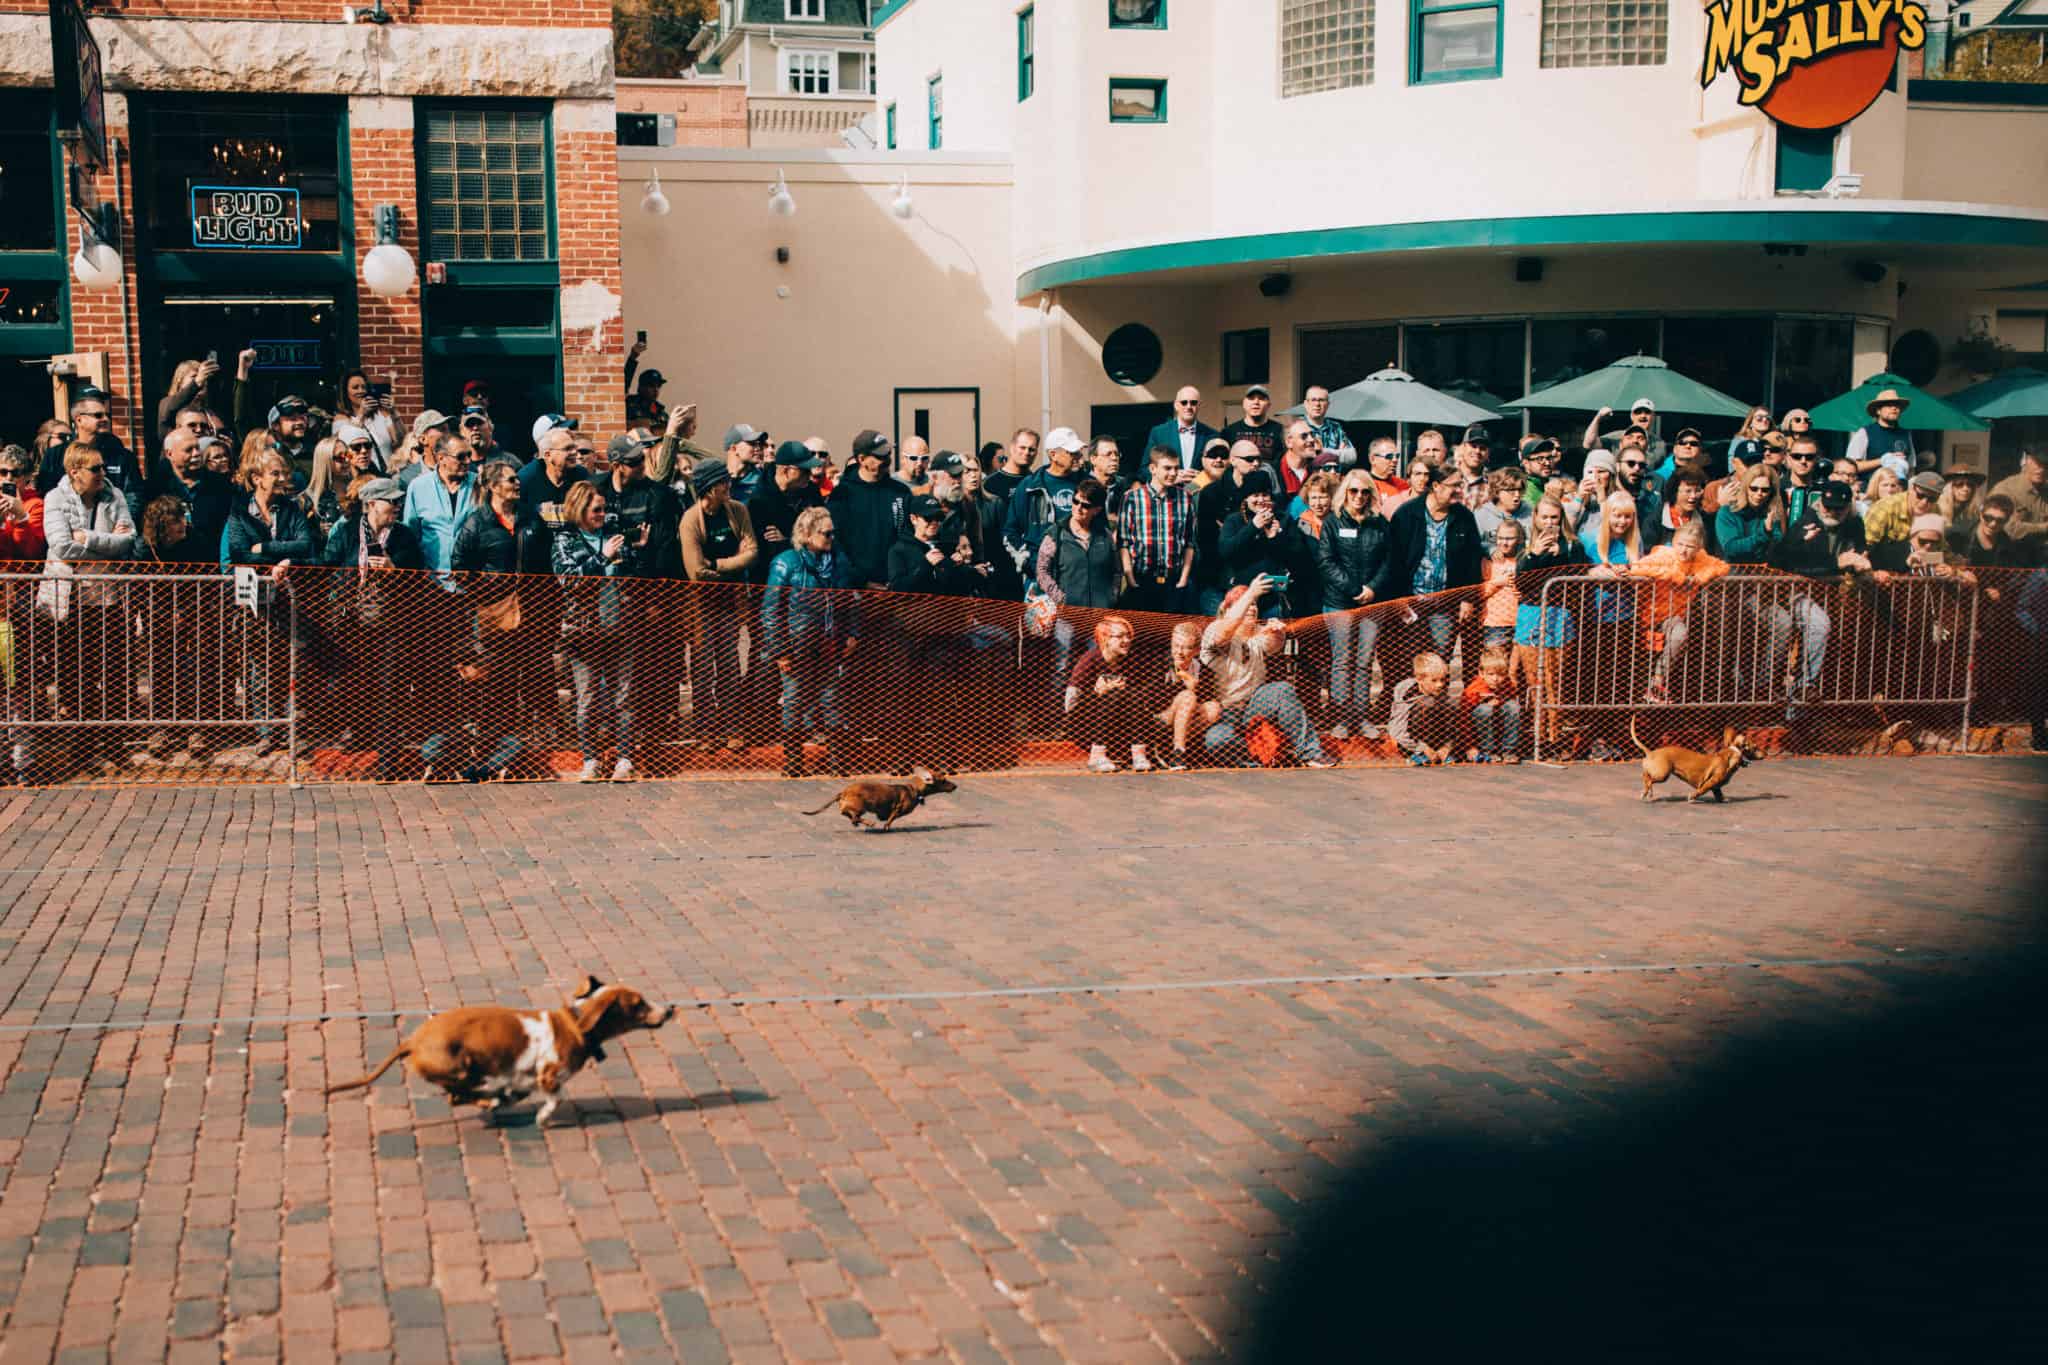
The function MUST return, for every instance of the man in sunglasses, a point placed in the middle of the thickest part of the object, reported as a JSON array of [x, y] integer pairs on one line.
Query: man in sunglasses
[[1631, 471], [291, 427], [476, 424], [543, 482], [92, 425], [1185, 433]]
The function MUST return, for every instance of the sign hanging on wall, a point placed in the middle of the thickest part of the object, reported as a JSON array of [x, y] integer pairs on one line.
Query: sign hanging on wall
[[245, 218], [1810, 63], [79, 88]]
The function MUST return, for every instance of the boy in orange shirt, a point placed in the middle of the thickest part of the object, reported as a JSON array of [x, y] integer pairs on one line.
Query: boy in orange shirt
[[1492, 708]]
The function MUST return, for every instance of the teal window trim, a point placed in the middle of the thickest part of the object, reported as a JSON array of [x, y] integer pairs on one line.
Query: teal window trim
[[1156, 22], [1157, 85], [935, 111], [488, 272], [1418, 9], [1805, 158], [1027, 54], [889, 125], [44, 338]]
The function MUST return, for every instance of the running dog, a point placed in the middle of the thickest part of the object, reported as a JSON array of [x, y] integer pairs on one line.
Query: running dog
[[888, 802], [491, 1056], [1706, 774]]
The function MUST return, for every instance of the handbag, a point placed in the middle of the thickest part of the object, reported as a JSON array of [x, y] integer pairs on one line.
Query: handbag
[[502, 615], [53, 597], [1040, 611]]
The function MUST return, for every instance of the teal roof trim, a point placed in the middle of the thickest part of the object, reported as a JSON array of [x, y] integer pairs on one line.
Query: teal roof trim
[[888, 10], [1595, 229]]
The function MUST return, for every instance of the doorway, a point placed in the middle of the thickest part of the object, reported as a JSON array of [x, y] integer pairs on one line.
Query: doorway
[[522, 388], [1130, 424], [947, 419], [296, 340]]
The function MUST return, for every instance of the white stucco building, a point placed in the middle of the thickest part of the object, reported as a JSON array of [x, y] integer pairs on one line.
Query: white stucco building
[[1115, 197]]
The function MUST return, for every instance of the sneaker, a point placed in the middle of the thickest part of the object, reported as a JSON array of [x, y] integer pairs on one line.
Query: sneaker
[[588, 772], [1484, 758], [1369, 731], [622, 771], [1139, 762], [1322, 761], [1657, 694], [1418, 759], [1340, 732], [1099, 761], [1177, 761]]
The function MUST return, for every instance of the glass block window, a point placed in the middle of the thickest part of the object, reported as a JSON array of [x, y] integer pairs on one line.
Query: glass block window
[[1324, 45], [486, 191], [1605, 33]]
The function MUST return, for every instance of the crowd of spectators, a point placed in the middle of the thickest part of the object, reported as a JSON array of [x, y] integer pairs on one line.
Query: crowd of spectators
[[1271, 533]]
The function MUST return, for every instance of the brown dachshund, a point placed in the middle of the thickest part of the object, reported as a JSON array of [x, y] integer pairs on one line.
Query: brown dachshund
[[888, 802], [1704, 773], [491, 1056]]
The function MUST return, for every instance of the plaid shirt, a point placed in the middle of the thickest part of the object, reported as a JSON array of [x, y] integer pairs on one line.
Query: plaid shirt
[[1157, 528]]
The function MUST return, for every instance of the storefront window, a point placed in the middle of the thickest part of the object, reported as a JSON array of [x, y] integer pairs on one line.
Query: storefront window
[[1480, 362], [484, 185], [226, 174], [1565, 348], [28, 174], [1729, 354], [1812, 364]]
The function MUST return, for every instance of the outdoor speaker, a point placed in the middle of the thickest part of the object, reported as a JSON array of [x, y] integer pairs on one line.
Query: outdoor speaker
[[1869, 272], [1528, 270], [1275, 286]]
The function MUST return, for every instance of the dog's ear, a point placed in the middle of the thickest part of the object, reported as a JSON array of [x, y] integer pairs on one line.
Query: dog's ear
[[1729, 737], [589, 986], [593, 1014], [921, 773]]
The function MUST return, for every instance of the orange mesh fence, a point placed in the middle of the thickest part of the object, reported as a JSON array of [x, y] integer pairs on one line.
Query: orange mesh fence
[[129, 673]]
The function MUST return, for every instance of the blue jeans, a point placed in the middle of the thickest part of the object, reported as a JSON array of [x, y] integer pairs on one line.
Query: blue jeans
[[603, 676], [1351, 645], [810, 695], [1497, 726], [1276, 702], [1810, 620]]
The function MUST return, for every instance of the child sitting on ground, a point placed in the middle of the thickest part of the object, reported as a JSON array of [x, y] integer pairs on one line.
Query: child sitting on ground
[[1424, 720], [1187, 691], [1493, 711]]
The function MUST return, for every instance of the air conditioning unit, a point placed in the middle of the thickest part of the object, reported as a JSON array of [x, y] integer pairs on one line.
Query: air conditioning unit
[[1846, 185]]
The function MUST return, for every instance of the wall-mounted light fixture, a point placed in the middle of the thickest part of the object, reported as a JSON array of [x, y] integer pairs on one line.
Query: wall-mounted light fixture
[[388, 268]]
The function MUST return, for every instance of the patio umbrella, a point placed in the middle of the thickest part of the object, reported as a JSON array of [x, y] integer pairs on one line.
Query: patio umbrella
[[1637, 376], [1392, 395], [2015, 393], [1924, 412]]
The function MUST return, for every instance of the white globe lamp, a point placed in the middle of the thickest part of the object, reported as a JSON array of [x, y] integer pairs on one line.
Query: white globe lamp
[[781, 202], [97, 265], [388, 268]]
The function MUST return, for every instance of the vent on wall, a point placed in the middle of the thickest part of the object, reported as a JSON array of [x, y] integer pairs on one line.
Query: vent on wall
[[1132, 355]]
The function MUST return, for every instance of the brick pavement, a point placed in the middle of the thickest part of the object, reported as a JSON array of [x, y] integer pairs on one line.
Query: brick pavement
[[828, 1174]]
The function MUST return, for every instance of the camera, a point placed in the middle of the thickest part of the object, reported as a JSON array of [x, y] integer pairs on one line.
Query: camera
[[1280, 581], [378, 390], [8, 489]]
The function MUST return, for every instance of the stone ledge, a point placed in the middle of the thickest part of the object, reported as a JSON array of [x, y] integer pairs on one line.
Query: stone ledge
[[397, 60]]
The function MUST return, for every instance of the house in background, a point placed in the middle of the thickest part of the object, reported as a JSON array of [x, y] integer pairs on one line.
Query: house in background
[[807, 66]]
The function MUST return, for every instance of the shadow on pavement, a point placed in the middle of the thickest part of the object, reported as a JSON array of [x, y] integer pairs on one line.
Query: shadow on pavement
[[1840, 1190], [602, 1110]]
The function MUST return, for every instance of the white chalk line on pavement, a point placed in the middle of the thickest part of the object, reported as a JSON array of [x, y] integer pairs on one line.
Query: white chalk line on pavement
[[1079, 988]]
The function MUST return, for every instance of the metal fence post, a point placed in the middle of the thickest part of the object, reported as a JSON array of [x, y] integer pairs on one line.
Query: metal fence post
[[1970, 664], [291, 685]]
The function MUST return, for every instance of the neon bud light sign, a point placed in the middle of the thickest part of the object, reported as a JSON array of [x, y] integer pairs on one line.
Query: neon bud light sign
[[227, 217]]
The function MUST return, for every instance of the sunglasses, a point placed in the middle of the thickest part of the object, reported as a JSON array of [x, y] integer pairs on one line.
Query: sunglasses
[[1799, 455], [93, 469], [1631, 464], [1187, 402], [361, 446], [1642, 412], [1759, 488], [586, 451], [1080, 506], [1688, 441], [1987, 520], [89, 412]]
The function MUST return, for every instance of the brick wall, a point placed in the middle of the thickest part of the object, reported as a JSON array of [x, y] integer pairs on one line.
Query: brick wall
[[525, 13], [388, 330], [96, 313], [587, 233]]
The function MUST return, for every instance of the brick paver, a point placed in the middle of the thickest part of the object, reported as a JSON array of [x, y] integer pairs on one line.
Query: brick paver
[[924, 1137]]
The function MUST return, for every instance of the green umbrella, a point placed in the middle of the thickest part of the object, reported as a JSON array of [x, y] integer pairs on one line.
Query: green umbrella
[[1924, 412], [2015, 393], [1392, 395], [1637, 376]]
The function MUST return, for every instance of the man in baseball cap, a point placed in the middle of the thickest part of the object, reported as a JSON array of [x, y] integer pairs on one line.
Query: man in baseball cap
[[780, 499], [1258, 426], [550, 421], [1642, 415], [746, 450]]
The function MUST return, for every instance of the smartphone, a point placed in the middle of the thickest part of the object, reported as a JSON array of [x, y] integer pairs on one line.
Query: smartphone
[[8, 489], [1280, 581], [643, 336], [213, 357], [378, 391]]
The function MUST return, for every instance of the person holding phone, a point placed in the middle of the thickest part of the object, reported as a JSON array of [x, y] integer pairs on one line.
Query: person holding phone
[[370, 408], [1257, 541], [21, 511], [188, 389], [643, 403]]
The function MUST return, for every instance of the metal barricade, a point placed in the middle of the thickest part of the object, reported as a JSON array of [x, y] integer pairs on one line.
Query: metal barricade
[[102, 656], [1760, 642]]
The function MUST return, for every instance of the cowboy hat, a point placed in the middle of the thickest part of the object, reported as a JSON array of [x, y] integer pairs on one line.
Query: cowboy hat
[[1887, 396]]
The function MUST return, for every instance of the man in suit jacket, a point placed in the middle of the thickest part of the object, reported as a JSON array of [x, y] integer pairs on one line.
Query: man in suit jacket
[[1186, 433]]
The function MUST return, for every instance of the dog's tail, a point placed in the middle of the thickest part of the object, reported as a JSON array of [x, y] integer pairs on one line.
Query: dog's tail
[[822, 809], [403, 1050], [1636, 737]]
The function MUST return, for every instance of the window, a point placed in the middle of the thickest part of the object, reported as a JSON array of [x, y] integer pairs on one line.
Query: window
[[1324, 45], [484, 192], [27, 152], [193, 146], [935, 111], [1453, 40], [805, 72], [1604, 33], [1247, 357], [799, 10], [1136, 100], [1137, 13], [1468, 359], [867, 64], [1026, 70], [889, 125], [1806, 158]]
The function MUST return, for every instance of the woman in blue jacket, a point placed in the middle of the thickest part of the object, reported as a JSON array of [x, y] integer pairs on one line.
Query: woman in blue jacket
[[809, 627]]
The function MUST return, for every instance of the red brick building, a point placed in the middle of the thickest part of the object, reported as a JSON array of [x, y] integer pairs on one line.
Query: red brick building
[[250, 144]]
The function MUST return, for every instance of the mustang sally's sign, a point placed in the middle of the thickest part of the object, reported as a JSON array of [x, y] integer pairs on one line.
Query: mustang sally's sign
[[1810, 63]]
